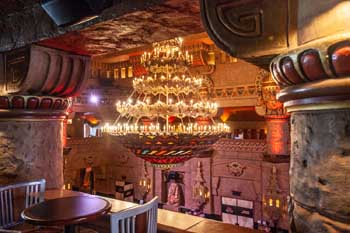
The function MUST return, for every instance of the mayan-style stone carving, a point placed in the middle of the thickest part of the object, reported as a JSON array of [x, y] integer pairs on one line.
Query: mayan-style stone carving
[[246, 29]]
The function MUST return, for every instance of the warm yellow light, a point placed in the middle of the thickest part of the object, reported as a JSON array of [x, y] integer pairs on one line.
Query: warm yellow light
[[270, 202], [278, 203]]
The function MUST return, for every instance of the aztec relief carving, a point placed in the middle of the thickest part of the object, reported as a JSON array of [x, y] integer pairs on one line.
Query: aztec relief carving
[[250, 24], [246, 23]]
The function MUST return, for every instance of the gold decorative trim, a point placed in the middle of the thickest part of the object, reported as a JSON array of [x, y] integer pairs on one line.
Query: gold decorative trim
[[319, 106]]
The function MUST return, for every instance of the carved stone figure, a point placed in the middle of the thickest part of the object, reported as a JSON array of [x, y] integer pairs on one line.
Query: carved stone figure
[[174, 191]]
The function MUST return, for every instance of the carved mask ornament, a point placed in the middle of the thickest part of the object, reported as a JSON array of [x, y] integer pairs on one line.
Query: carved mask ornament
[[236, 168]]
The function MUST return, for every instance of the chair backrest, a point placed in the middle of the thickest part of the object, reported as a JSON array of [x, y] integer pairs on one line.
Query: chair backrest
[[34, 193], [124, 221]]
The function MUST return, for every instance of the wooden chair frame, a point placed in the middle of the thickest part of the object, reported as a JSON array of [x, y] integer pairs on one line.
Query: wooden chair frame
[[124, 221], [34, 194]]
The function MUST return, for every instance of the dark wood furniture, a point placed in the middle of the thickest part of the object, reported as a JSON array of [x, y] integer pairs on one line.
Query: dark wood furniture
[[67, 211], [16, 197]]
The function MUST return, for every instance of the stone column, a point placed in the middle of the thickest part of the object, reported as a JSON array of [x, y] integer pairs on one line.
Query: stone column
[[277, 120], [276, 159], [315, 90], [35, 86]]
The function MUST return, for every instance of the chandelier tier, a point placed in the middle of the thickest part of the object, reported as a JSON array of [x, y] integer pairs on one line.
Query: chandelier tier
[[158, 122]]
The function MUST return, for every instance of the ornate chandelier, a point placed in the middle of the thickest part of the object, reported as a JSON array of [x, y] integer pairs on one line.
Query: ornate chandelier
[[159, 121]]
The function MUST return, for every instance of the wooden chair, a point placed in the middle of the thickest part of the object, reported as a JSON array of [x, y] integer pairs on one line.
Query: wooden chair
[[124, 221], [34, 193]]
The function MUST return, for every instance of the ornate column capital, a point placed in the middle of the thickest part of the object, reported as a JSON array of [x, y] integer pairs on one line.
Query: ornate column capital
[[316, 76], [38, 81]]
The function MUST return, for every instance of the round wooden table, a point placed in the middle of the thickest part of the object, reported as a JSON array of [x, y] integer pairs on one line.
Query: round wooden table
[[66, 211]]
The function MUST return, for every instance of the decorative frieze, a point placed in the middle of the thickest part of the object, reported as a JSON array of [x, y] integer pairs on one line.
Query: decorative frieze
[[256, 146], [234, 91]]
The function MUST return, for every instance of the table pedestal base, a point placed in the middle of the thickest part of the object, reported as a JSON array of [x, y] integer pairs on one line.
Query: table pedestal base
[[69, 229]]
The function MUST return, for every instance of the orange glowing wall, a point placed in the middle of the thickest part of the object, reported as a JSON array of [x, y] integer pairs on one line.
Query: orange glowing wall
[[278, 136]]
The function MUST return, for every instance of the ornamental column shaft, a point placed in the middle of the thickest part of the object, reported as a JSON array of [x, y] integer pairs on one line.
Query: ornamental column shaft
[[35, 86], [316, 87]]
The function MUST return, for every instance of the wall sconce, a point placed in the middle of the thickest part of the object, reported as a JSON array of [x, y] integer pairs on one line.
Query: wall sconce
[[123, 72], [200, 192], [145, 182], [130, 72], [116, 73], [274, 202], [211, 58]]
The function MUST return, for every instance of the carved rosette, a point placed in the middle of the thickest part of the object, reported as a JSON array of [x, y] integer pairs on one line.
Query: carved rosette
[[314, 77]]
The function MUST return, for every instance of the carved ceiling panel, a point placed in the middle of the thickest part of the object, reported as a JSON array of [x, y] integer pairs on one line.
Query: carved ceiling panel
[[11, 6], [164, 21]]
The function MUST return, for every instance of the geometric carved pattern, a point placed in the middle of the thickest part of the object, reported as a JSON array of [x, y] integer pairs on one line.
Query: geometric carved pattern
[[234, 91], [242, 23], [241, 145], [247, 29]]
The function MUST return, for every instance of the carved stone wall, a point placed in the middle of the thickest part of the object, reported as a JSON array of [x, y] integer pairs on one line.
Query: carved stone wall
[[320, 166], [236, 165], [110, 158], [239, 171], [27, 153]]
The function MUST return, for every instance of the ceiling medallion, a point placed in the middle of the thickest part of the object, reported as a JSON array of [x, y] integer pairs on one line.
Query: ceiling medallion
[[166, 121]]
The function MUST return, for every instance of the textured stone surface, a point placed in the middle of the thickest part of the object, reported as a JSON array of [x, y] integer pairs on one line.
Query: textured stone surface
[[320, 167], [23, 22], [31, 150], [160, 22]]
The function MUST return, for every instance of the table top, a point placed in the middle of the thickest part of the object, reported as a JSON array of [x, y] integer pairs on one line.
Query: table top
[[60, 193], [174, 221], [66, 210], [168, 221], [218, 227]]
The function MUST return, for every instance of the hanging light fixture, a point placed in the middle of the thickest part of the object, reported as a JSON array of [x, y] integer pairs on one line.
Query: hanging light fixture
[[158, 122]]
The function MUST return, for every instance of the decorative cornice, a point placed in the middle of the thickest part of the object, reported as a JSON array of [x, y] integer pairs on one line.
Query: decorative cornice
[[234, 91], [241, 145]]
